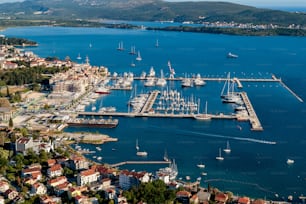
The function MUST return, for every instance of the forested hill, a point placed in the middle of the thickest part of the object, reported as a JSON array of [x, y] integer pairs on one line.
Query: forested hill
[[146, 10]]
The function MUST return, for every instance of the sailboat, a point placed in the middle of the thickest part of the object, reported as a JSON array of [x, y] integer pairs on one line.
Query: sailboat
[[227, 93], [166, 156], [138, 58], [79, 57], [204, 116], [220, 158], [201, 165], [133, 50], [137, 146], [227, 149], [120, 46], [161, 81], [140, 153], [157, 43]]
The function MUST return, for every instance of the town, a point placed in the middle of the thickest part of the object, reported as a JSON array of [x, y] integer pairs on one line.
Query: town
[[39, 166]]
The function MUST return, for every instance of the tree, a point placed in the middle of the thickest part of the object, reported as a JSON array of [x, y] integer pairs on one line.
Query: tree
[[7, 91], [11, 124]]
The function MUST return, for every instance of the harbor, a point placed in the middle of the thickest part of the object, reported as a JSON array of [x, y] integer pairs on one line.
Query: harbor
[[152, 104]]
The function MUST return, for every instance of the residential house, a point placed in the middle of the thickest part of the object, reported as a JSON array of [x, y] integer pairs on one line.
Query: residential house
[[51, 162], [5, 113], [57, 181], [183, 197], [23, 144], [38, 189], [9, 65], [204, 197], [76, 191], [78, 163], [61, 188], [110, 194], [221, 198], [4, 186], [10, 194], [55, 170], [244, 200], [259, 201], [106, 183], [87, 177], [2, 200], [45, 199], [129, 179]]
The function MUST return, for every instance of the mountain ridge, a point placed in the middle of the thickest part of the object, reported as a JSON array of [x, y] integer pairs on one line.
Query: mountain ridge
[[147, 10]]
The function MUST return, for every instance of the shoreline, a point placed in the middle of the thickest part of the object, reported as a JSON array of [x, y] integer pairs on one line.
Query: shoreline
[[86, 138]]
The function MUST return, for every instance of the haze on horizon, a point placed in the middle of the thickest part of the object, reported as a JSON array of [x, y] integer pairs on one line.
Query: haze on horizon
[[255, 3]]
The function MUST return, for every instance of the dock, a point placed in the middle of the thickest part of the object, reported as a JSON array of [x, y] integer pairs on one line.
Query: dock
[[150, 102], [255, 123], [237, 81], [139, 162], [292, 92]]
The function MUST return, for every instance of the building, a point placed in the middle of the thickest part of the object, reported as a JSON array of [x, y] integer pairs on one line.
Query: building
[[10, 194], [221, 198], [183, 197], [4, 186], [38, 189], [244, 200], [5, 113], [57, 181], [55, 170], [87, 177], [23, 144], [78, 163], [129, 179]]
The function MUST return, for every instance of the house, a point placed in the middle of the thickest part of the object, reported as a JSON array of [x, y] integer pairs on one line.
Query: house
[[244, 200], [78, 163], [87, 177], [57, 181], [4, 186], [10, 194], [76, 191], [129, 179], [30, 172], [106, 183], [194, 199], [23, 144], [5, 113], [38, 189], [55, 170], [110, 194], [2, 200], [183, 197], [61, 188], [221, 198], [9, 65], [203, 196], [45, 199], [51, 162], [259, 201]]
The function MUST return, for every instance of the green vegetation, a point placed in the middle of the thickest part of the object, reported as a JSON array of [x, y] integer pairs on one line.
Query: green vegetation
[[16, 42], [152, 192], [28, 75], [235, 31], [86, 13]]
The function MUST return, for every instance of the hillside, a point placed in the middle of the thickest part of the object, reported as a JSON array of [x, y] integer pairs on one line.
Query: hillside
[[146, 10]]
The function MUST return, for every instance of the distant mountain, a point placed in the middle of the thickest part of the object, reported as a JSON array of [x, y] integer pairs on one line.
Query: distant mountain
[[147, 10]]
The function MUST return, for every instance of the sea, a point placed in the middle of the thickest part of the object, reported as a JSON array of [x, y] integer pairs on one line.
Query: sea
[[253, 168]]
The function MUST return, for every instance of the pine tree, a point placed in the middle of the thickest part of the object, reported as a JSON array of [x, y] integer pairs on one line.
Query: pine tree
[[11, 123]]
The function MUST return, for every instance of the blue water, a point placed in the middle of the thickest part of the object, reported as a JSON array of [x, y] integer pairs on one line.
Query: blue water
[[252, 168]]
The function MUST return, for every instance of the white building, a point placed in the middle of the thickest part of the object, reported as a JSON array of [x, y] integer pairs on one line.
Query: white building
[[87, 177]]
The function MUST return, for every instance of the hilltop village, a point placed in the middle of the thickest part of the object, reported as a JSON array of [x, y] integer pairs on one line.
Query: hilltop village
[[38, 164]]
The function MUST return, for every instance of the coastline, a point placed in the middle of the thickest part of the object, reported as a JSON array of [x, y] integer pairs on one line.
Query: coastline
[[86, 138]]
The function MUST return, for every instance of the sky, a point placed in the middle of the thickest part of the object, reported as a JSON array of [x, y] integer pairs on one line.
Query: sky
[[256, 3]]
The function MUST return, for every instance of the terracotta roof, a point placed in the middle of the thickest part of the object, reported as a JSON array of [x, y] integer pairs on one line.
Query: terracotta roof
[[51, 162], [87, 172], [222, 197], [244, 200], [183, 194], [56, 167], [23, 140]]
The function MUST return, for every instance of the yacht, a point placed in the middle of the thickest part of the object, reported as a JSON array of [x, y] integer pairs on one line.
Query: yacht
[[290, 161], [219, 157], [186, 82], [142, 154], [198, 81], [161, 81], [79, 57], [172, 171], [150, 82], [151, 72], [138, 58], [231, 55], [227, 149], [204, 116], [102, 90], [201, 166], [204, 174], [166, 156]]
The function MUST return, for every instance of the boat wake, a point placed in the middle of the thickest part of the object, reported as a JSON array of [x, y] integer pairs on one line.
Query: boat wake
[[231, 137]]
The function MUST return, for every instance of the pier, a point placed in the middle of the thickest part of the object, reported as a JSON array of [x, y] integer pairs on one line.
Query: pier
[[255, 123], [150, 101], [139, 162], [237, 81], [294, 94]]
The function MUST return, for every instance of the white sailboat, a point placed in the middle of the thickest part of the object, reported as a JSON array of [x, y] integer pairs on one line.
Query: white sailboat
[[140, 153], [157, 43], [201, 165], [228, 148], [79, 57], [166, 156], [204, 116], [120, 46], [219, 157], [161, 81], [138, 58], [133, 50], [137, 146]]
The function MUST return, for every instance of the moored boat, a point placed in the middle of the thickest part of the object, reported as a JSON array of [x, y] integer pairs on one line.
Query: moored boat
[[290, 161], [102, 123], [102, 90]]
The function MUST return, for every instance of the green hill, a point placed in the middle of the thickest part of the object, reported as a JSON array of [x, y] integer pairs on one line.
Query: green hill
[[146, 10]]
